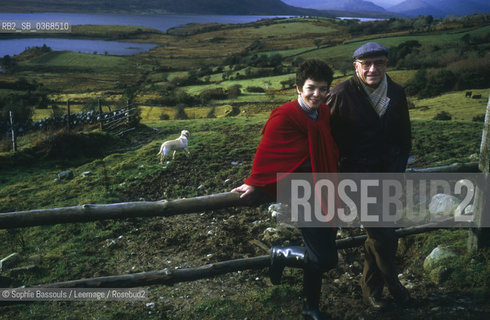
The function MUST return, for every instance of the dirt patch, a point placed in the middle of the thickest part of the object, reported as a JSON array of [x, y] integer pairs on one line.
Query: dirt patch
[[198, 239]]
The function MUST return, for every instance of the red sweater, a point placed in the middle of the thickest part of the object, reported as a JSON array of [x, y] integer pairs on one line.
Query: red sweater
[[290, 138]]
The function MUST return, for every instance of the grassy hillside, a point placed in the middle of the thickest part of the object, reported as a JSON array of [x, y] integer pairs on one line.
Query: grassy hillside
[[344, 51]]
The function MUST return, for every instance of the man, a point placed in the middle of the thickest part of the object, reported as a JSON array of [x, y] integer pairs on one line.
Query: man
[[297, 138], [371, 125]]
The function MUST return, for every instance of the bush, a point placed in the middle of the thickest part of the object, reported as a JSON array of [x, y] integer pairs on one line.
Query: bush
[[439, 83], [234, 91], [479, 118], [181, 115], [21, 108], [402, 50], [185, 98], [170, 100], [417, 83], [164, 116], [212, 94], [443, 115], [255, 89], [424, 85]]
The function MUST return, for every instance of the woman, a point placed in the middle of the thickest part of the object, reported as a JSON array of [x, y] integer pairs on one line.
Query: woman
[[297, 138]]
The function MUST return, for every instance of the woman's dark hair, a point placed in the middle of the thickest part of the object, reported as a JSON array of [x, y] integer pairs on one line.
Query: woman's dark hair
[[314, 69]]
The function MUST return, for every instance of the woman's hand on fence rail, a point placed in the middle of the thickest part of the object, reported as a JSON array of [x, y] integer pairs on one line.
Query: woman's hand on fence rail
[[245, 188]]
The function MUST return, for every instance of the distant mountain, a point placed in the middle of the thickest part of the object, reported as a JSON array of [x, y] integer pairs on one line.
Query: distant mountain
[[413, 8], [343, 5], [241, 7], [416, 8], [436, 8], [441, 8]]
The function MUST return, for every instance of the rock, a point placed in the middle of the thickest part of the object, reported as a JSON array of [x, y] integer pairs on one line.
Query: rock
[[65, 175], [200, 187], [443, 205], [280, 233], [433, 259], [86, 173], [474, 157], [276, 209], [9, 261]]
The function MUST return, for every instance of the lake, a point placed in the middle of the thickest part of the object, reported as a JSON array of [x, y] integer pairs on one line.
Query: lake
[[361, 18], [160, 22], [16, 46]]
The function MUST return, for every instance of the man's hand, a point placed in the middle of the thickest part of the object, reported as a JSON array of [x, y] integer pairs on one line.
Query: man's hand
[[245, 188]]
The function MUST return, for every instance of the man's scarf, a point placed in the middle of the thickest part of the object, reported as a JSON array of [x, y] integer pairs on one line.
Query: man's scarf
[[378, 97]]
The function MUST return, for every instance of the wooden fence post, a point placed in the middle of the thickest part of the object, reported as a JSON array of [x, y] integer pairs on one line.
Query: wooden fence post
[[479, 237], [14, 141], [101, 115], [69, 115], [127, 112]]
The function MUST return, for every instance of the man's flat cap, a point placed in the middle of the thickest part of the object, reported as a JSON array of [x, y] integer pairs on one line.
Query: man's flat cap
[[370, 49]]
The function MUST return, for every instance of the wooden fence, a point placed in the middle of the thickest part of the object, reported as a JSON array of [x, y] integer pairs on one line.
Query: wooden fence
[[119, 121], [87, 213]]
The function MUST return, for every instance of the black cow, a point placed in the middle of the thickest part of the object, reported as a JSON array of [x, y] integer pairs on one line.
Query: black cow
[[477, 96], [468, 94]]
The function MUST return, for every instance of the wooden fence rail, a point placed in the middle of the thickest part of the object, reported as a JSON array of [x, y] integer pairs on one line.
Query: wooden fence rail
[[94, 212], [170, 277]]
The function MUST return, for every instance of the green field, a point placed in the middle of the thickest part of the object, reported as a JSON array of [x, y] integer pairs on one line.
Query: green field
[[293, 29], [460, 107], [79, 60]]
